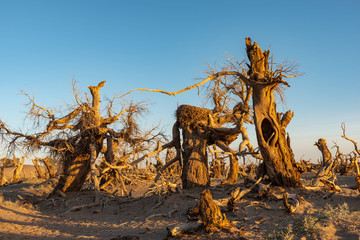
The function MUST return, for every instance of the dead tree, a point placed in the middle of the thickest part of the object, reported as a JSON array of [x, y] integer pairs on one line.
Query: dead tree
[[273, 141], [77, 138], [2, 171], [356, 155], [201, 129], [326, 166], [49, 165], [38, 168], [18, 166], [357, 169], [223, 91], [210, 213]]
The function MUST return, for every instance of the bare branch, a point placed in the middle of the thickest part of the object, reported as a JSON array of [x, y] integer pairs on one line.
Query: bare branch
[[349, 139]]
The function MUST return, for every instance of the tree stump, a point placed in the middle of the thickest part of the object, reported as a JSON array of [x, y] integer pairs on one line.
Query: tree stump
[[326, 167], [210, 213]]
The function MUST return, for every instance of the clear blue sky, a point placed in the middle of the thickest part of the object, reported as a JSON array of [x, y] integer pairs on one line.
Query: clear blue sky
[[168, 44]]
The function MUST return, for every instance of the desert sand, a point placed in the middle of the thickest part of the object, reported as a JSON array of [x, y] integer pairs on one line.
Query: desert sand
[[26, 213]]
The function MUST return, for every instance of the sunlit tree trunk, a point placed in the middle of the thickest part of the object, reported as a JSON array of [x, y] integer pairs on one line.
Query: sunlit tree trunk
[[195, 171], [273, 141]]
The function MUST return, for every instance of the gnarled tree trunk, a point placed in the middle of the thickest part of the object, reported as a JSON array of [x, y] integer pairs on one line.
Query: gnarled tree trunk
[[49, 167], [210, 213], [195, 171], [38, 168], [326, 167], [273, 141], [77, 164], [201, 129]]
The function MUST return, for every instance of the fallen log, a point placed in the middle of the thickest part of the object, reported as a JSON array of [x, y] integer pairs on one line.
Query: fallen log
[[184, 228]]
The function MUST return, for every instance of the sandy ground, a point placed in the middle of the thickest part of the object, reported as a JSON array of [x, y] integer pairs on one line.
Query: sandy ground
[[26, 213]]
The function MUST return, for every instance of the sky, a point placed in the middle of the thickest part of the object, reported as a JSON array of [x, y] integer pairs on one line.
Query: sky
[[168, 45]]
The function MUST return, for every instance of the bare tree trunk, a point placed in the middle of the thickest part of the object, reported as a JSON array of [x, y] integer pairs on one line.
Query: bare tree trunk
[[49, 167], [274, 143], [38, 169], [18, 168], [2, 172], [93, 169], [77, 164], [357, 169], [110, 151], [326, 164], [76, 169], [195, 171]]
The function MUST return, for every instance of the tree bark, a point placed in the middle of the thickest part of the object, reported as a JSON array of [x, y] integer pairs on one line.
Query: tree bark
[[49, 167], [357, 169], [76, 170], [17, 168], [274, 143], [77, 163], [210, 213], [38, 169], [93, 169], [2, 172], [195, 171], [326, 167]]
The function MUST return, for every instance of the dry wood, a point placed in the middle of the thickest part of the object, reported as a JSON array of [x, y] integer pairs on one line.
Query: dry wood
[[331, 184], [290, 207], [49, 167], [183, 228], [273, 141], [237, 195], [70, 137], [80, 207], [2, 175], [349, 139], [165, 166], [325, 171], [93, 169], [357, 178], [210, 213], [38, 169], [169, 215], [18, 166]]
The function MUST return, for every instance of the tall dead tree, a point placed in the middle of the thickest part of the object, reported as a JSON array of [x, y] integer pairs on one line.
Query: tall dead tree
[[77, 139], [273, 140]]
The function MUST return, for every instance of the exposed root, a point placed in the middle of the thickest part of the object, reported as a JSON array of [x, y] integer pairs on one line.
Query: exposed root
[[290, 208], [237, 195]]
